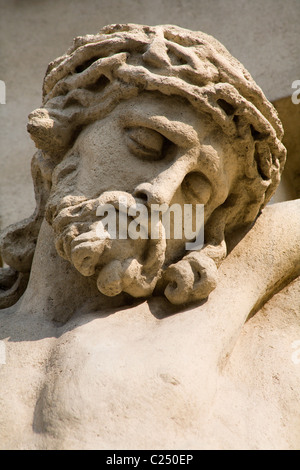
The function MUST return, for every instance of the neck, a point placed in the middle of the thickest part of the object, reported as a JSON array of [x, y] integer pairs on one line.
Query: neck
[[56, 289]]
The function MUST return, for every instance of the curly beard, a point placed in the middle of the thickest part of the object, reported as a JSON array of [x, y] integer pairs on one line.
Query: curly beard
[[121, 265], [134, 266]]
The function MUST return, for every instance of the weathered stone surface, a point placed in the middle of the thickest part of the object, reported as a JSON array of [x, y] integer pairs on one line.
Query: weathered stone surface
[[125, 343], [263, 35]]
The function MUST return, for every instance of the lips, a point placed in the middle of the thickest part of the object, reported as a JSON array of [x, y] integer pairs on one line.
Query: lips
[[131, 276]]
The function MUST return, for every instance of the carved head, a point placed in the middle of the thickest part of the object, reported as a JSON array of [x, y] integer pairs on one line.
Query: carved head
[[159, 115]]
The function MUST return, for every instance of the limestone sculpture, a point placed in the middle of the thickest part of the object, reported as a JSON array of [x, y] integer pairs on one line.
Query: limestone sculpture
[[139, 342]]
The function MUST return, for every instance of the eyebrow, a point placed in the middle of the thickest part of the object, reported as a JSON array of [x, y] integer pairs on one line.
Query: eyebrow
[[182, 134]]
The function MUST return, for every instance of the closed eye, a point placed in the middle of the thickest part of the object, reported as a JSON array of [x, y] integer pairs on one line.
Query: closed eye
[[146, 143]]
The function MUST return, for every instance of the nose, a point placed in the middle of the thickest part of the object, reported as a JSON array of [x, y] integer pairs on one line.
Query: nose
[[151, 193], [161, 190]]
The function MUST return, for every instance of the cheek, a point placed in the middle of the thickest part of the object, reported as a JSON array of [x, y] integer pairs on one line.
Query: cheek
[[105, 161], [197, 188], [212, 163]]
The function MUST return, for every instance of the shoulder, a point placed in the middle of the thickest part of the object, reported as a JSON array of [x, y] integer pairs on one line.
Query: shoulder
[[283, 217], [279, 218], [273, 242], [264, 371]]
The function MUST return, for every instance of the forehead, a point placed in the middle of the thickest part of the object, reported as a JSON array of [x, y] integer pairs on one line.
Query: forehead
[[170, 114]]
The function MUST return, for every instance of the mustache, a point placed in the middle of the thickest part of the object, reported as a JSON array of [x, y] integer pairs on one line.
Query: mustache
[[72, 209]]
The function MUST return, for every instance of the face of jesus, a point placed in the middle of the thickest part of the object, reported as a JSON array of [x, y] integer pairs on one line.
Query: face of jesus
[[155, 150]]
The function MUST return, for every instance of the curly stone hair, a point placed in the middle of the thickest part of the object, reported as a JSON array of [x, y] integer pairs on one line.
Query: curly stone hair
[[118, 63]]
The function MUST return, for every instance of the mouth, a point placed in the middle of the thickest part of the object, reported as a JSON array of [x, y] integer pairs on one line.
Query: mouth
[[137, 277]]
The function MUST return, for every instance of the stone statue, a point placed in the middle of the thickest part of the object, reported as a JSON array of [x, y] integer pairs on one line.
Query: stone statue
[[139, 342]]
